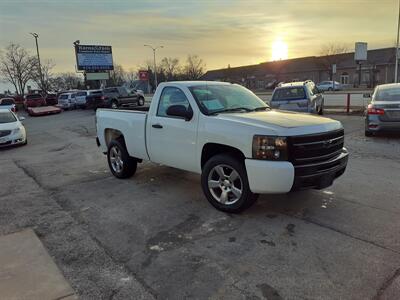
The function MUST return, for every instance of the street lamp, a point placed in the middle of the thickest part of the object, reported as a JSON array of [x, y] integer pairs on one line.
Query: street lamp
[[35, 35], [154, 57]]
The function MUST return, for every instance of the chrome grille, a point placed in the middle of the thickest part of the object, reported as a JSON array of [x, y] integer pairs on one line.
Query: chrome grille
[[315, 148]]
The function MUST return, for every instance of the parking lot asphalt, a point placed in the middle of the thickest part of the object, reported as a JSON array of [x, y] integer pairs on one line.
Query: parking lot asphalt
[[156, 236]]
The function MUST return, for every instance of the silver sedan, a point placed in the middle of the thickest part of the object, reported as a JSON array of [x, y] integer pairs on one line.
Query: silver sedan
[[383, 113]]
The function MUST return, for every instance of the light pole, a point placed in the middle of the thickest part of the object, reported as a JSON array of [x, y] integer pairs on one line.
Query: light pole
[[154, 57], [35, 35], [397, 47]]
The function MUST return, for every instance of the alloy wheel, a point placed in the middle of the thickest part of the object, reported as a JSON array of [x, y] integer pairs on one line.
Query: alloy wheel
[[225, 184]]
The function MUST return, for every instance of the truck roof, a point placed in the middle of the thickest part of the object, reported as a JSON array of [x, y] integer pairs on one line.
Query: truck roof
[[195, 82]]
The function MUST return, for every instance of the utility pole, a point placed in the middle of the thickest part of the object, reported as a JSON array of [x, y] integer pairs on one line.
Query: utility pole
[[35, 35], [397, 48], [154, 58]]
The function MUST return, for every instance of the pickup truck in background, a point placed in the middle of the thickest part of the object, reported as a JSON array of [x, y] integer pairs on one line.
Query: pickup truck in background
[[227, 134]]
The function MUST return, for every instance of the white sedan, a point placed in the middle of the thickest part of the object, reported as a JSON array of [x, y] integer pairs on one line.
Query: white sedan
[[12, 131]]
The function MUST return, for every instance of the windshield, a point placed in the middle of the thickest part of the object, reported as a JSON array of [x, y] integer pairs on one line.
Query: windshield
[[290, 93], [65, 96], [7, 117], [388, 94], [7, 101], [220, 98]]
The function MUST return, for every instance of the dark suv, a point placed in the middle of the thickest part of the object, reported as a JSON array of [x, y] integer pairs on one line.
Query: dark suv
[[301, 96], [121, 96]]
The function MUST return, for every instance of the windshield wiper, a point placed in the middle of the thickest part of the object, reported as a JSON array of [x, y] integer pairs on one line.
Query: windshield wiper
[[261, 108], [233, 109]]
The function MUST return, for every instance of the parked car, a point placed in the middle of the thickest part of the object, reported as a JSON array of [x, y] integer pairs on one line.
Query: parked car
[[18, 99], [227, 134], [329, 86], [302, 96], [8, 103], [12, 131], [51, 99], [383, 113], [81, 97], [121, 96], [34, 100], [67, 101], [96, 99]]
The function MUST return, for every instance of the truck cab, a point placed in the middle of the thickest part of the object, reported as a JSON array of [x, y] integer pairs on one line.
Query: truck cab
[[239, 145]]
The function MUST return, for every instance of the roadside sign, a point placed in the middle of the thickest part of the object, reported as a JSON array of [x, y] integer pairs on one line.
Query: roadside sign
[[143, 75], [94, 58], [97, 76], [360, 53], [334, 69]]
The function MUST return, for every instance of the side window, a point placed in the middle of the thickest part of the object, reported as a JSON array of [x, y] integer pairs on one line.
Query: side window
[[122, 92], [171, 96]]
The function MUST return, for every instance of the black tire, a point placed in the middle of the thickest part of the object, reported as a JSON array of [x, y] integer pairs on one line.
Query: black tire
[[129, 164], [321, 109], [114, 104], [140, 101], [330, 89], [368, 133], [226, 161]]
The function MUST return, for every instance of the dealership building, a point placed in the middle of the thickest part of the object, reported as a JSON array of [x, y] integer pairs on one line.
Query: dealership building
[[377, 69]]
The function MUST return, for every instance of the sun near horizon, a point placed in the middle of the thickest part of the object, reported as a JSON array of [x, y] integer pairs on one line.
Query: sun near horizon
[[279, 50]]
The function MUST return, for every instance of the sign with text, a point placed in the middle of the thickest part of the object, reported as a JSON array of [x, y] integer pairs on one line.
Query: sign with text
[[94, 58], [143, 75]]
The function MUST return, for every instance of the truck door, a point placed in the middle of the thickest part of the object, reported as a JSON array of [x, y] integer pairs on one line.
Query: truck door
[[172, 140]]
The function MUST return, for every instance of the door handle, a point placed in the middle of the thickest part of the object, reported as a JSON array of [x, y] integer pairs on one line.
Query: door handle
[[157, 126]]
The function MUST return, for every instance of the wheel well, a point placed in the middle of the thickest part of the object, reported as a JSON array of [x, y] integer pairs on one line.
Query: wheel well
[[212, 149], [113, 134]]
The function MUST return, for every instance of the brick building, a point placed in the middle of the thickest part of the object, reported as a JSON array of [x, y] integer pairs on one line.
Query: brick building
[[378, 69]]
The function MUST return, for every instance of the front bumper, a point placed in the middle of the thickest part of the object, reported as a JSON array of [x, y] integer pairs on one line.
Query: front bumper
[[320, 175], [12, 140], [374, 124], [272, 177]]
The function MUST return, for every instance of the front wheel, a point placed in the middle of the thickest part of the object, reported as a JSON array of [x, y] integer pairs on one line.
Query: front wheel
[[119, 161], [225, 184]]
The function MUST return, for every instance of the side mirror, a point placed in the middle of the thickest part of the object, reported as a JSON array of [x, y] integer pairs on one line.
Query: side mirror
[[21, 118], [180, 111]]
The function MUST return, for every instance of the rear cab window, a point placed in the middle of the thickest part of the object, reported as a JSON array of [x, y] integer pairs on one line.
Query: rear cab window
[[289, 93]]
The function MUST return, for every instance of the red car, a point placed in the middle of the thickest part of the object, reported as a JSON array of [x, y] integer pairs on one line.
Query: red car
[[18, 99], [51, 99], [34, 100]]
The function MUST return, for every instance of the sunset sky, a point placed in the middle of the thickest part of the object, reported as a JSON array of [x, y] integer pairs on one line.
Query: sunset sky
[[221, 32]]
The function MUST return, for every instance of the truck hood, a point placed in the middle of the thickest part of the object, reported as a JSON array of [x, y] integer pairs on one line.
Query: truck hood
[[280, 118]]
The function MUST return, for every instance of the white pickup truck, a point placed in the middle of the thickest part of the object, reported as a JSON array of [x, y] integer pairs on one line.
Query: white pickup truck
[[227, 134]]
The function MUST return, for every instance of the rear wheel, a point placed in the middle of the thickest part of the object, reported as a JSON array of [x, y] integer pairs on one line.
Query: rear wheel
[[119, 161], [225, 184], [321, 109], [368, 133], [330, 89]]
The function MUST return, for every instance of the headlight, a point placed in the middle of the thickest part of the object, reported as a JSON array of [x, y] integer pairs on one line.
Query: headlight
[[270, 147], [16, 131]]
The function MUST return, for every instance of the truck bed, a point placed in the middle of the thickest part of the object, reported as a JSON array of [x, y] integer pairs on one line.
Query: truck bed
[[130, 123]]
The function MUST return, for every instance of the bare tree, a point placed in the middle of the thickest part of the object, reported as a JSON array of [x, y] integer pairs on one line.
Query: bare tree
[[17, 66], [117, 76], [330, 55], [194, 67], [46, 83], [66, 81], [171, 67]]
